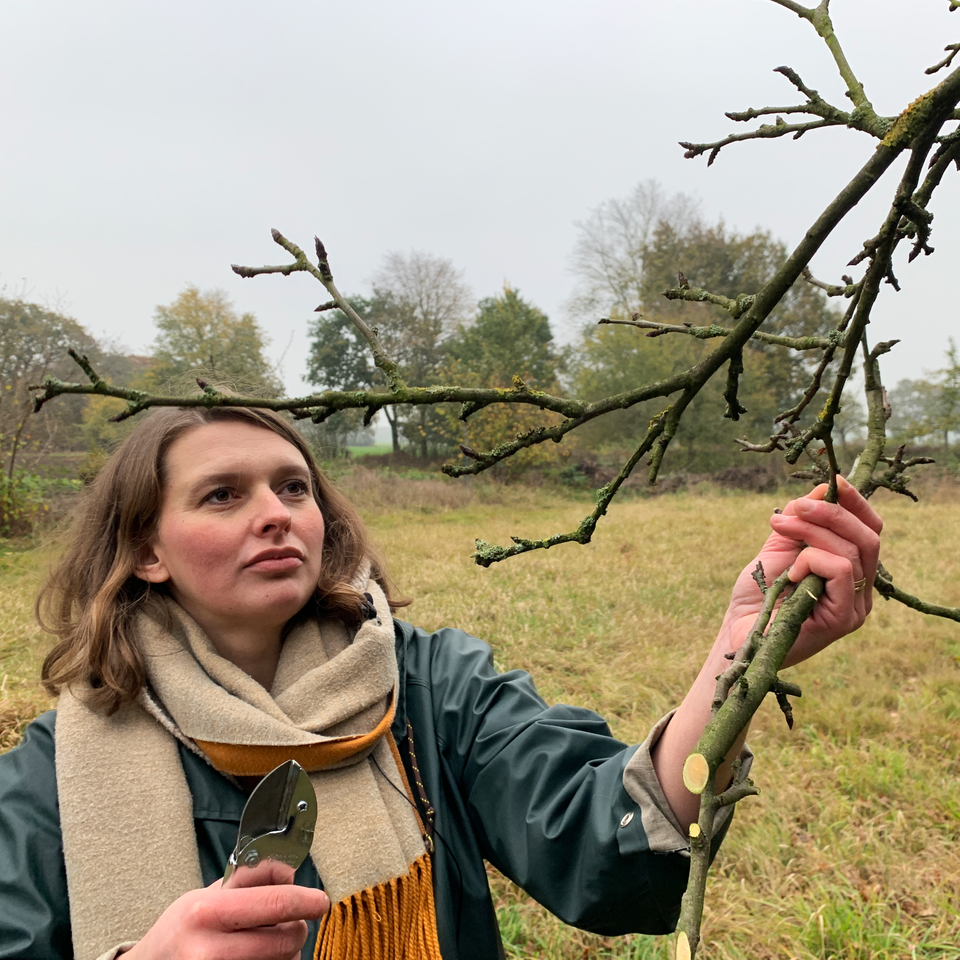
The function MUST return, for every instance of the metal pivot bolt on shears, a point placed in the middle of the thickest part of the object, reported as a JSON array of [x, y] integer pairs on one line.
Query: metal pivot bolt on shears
[[278, 820]]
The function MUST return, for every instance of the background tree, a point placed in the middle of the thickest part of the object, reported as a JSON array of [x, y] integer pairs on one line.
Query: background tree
[[627, 253], [418, 302], [340, 360], [33, 344], [613, 245], [928, 409], [200, 334], [509, 338]]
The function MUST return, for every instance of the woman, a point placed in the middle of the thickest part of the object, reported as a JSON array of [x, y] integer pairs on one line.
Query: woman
[[219, 610]]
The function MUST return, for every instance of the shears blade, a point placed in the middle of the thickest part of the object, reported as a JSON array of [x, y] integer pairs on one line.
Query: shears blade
[[278, 820]]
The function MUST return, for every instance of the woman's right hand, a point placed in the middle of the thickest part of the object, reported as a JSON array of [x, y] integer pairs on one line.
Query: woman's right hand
[[261, 916]]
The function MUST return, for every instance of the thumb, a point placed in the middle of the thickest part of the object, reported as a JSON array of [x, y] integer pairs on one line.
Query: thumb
[[266, 873]]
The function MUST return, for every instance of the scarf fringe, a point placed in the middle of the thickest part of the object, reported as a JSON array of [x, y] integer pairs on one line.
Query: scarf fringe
[[395, 920]]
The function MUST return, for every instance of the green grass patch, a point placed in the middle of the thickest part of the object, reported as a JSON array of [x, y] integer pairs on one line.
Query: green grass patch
[[374, 450]]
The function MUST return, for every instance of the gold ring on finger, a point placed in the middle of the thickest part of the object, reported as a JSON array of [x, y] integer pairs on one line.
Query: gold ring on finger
[[860, 585]]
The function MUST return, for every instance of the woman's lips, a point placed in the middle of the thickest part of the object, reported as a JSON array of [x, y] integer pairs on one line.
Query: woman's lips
[[276, 560], [275, 564]]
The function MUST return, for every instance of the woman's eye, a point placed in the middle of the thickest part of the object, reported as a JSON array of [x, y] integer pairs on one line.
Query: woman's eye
[[296, 487], [220, 495]]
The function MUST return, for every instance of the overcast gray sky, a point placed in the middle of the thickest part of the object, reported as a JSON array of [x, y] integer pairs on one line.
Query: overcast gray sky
[[147, 146]]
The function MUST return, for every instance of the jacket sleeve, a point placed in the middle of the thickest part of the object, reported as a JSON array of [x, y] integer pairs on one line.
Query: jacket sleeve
[[34, 911], [544, 786]]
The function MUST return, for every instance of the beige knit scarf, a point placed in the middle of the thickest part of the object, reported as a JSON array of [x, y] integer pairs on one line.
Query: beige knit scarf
[[127, 814]]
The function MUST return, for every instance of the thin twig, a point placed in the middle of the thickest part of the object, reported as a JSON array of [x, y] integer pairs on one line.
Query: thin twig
[[714, 330], [886, 588], [847, 289], [766, 131], [487, 553], [323, 273], [952, 50]]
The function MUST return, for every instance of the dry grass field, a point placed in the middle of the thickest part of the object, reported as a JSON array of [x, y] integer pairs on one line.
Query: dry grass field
[[853, 848]]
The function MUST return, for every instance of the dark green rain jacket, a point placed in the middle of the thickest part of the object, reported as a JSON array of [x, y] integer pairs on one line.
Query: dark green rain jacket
[[535, 790]]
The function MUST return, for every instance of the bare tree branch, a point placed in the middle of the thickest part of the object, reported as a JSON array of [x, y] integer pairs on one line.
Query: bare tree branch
[[736, 307], [885, 587], [819, 17], [766, 131], [486, 553], [322, 273], [952, 50], [714, 330], [919, 127], [847, 289]]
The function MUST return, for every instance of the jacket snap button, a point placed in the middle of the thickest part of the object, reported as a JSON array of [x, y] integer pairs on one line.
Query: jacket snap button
[[625, 819]]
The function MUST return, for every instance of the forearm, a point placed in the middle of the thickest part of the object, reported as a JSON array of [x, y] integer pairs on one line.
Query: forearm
[[683, 733]]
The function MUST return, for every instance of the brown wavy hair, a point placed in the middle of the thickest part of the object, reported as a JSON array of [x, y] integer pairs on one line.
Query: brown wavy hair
[[92, 596]]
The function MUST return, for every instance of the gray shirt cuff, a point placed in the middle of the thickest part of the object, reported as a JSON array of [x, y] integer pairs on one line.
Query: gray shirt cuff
[[664, 833]]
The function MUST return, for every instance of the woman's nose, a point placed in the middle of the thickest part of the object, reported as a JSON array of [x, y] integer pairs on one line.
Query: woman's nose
[[273, 513]]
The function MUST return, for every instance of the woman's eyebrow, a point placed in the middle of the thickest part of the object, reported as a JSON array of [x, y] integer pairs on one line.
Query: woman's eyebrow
[[290, 468], [213, 480]]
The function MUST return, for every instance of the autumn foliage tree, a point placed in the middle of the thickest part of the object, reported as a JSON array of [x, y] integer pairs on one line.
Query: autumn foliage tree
[[201, 335]]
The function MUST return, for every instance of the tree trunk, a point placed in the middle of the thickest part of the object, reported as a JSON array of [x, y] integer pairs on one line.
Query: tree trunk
[[13, 448], [394, 428]]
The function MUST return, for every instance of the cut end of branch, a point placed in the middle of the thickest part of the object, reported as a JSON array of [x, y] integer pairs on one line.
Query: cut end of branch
[[695, 831], [696, 773], [683, 947]]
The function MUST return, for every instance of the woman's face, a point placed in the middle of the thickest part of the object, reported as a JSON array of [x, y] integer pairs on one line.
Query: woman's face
[[240, 536]]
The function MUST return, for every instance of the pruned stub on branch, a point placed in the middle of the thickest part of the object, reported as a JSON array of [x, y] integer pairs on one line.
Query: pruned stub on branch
[[925, 136]]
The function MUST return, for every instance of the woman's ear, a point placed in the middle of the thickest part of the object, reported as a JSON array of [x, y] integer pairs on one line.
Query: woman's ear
[[150, 567]]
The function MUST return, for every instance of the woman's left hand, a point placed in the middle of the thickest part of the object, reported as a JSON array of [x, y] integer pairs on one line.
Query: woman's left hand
[[842, 546]]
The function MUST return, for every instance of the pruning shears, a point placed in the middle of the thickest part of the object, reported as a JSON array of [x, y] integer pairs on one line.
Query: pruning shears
[[278, 820]]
